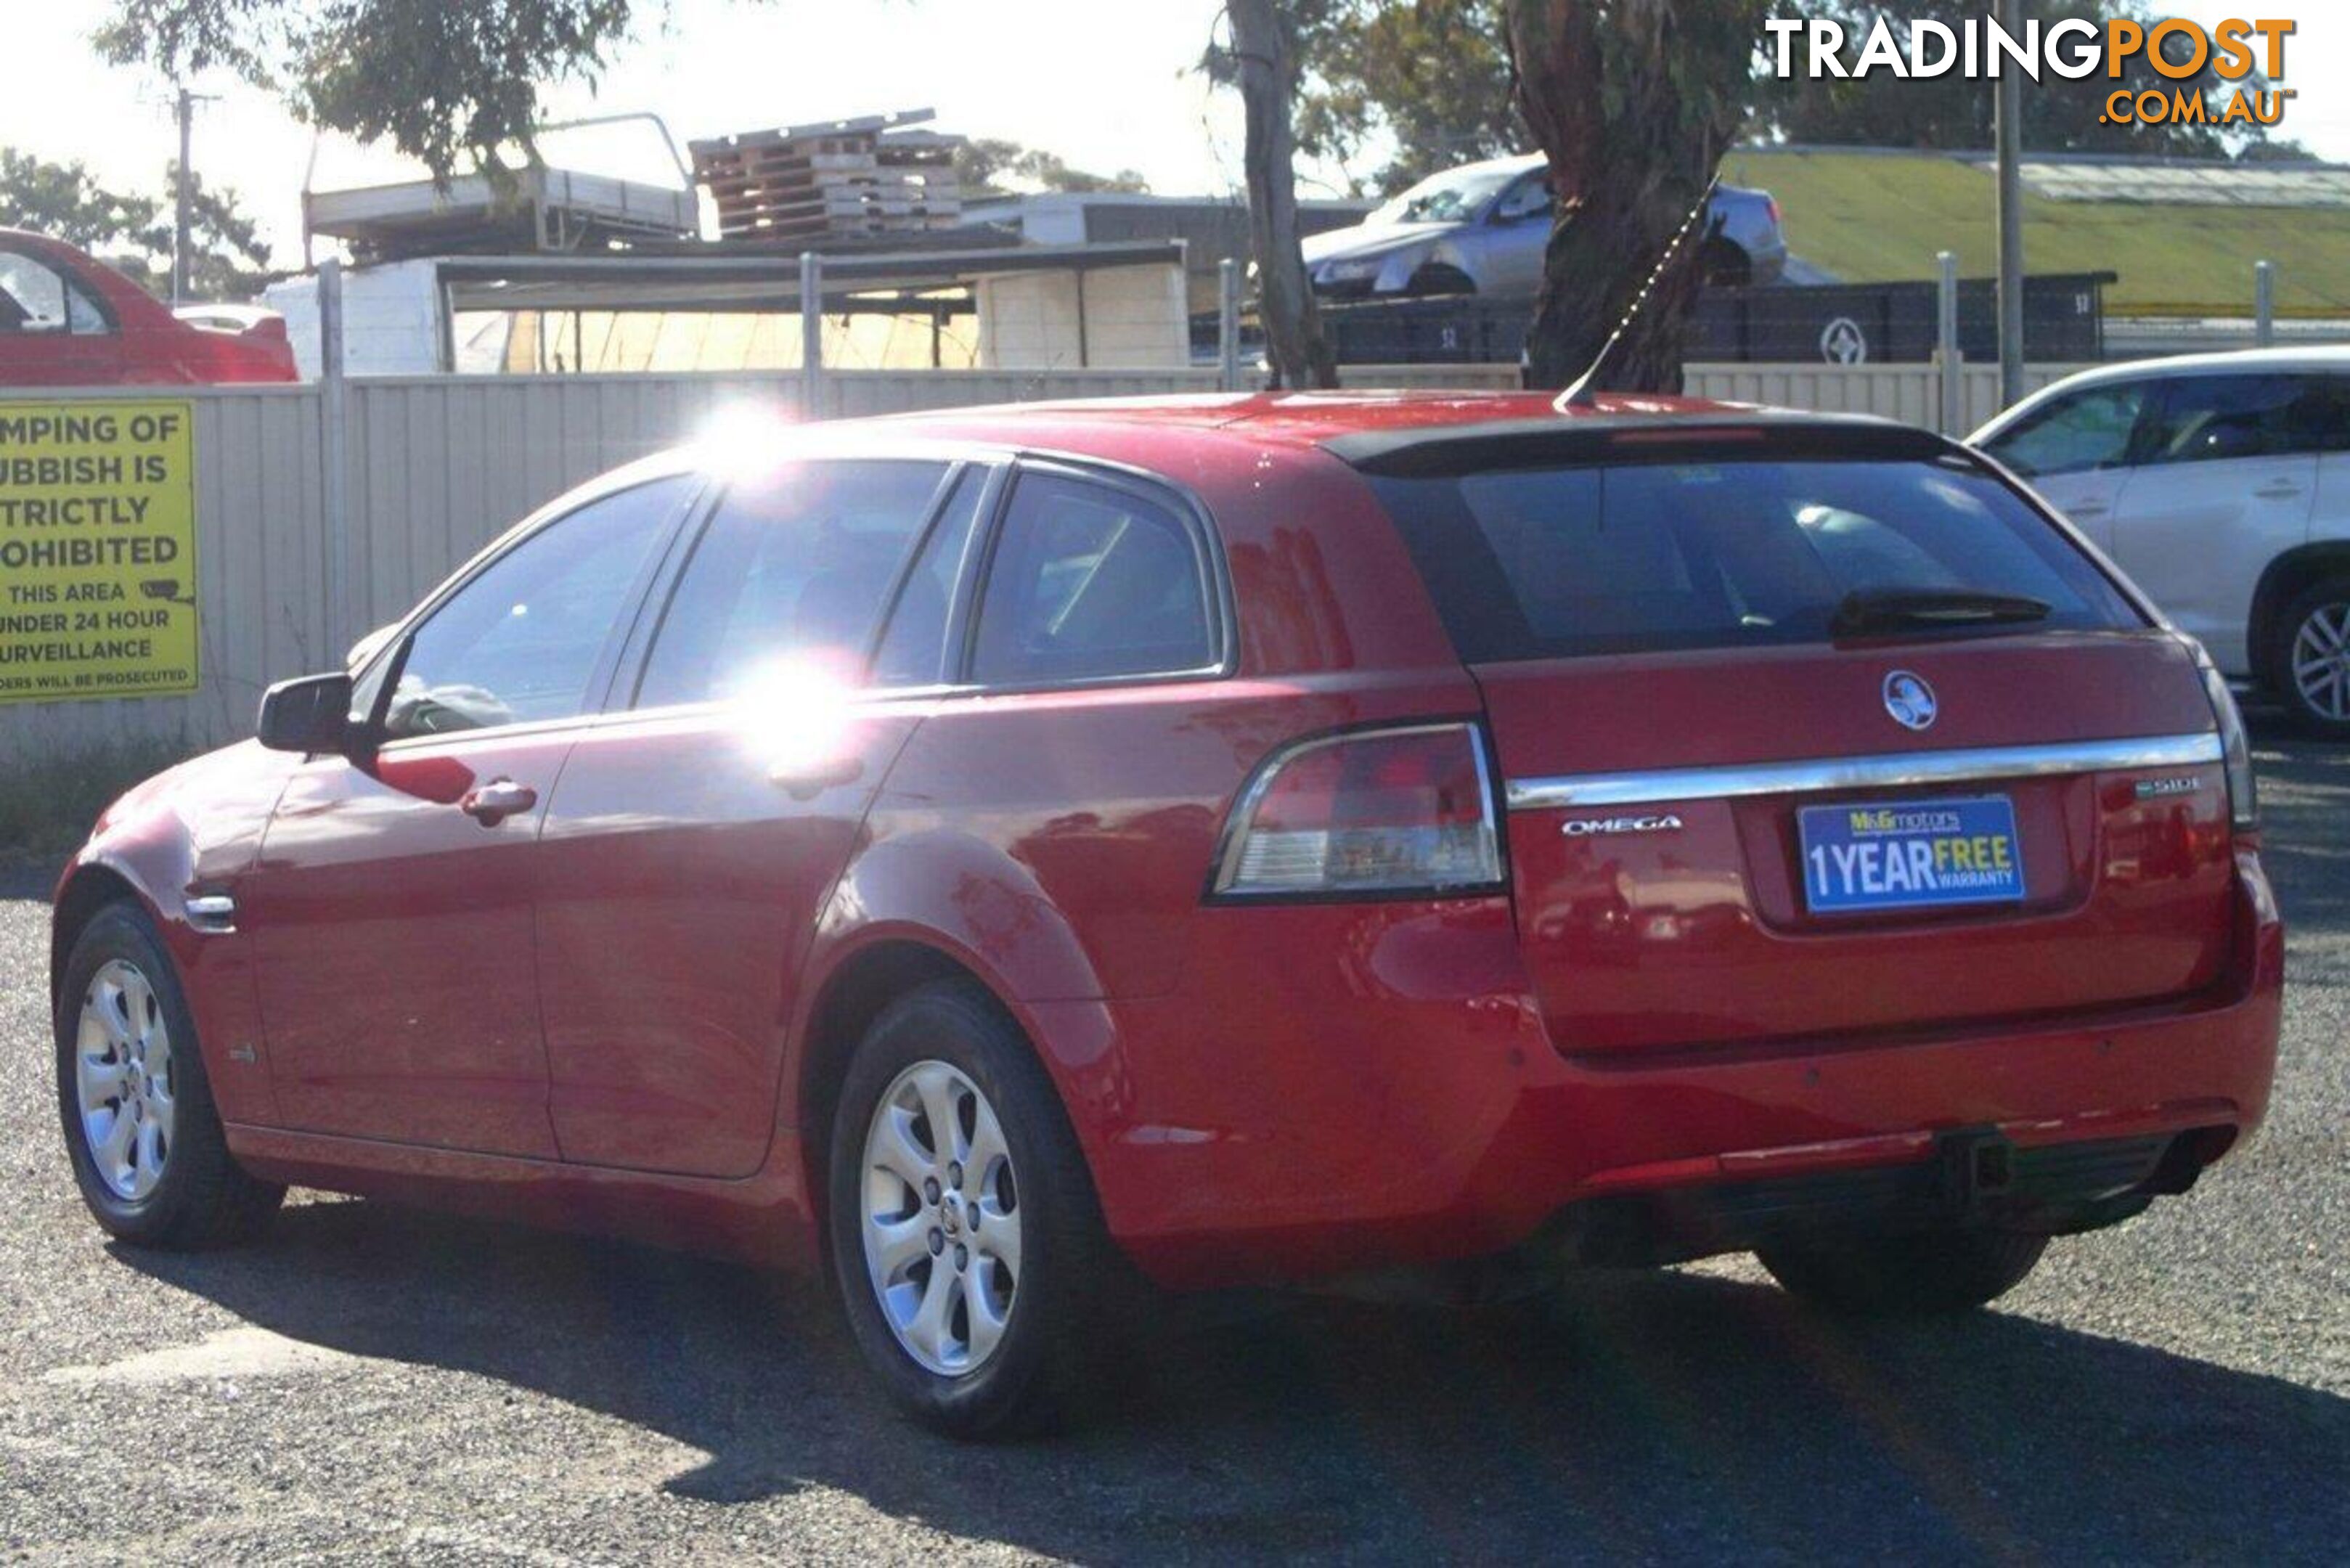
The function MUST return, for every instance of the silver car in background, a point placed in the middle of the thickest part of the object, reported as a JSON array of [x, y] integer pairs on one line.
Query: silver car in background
[[1482, 229], [2221, 485]]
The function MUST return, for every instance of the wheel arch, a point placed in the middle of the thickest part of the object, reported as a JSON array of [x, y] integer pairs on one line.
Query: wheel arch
[[91, 887], [852, 992], [852, 996], [2286, 577]]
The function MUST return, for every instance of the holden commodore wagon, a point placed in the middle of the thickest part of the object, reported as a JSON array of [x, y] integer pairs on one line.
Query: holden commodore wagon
[[1017, 860]]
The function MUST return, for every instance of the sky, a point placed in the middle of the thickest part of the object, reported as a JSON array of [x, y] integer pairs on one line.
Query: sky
[[1107, 84]]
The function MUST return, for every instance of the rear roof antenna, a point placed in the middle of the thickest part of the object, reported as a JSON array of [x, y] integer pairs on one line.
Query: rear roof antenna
[[1583, 393]]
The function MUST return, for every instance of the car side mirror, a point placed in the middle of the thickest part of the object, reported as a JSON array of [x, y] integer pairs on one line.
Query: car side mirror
[[311, 714]]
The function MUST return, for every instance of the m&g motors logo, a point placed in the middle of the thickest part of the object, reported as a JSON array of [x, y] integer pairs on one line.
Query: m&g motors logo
[[1977, 48]]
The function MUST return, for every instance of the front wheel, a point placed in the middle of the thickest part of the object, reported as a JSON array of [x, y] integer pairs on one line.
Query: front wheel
[[1908, 1275], [2309, 658], [148, 1149], [967, 1243]]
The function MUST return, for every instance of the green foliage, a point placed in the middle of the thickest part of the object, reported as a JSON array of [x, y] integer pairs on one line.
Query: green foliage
[[1955, 115], [1430, 76], [442, 81], [63, 201], [988, 166]]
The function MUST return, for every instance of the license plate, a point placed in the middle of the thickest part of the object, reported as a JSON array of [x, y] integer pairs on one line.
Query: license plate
[[1911, 854]]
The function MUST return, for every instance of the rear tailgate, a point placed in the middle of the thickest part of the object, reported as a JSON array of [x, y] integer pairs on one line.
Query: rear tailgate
[[1666, 900], [1813, 728]]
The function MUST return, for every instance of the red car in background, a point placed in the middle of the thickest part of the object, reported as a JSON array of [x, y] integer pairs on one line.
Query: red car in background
[[1002, 856], [67, 319]]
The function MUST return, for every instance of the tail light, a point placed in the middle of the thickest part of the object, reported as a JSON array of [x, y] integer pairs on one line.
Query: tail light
[[1771, 204], [1370, 813], [2235, 745]]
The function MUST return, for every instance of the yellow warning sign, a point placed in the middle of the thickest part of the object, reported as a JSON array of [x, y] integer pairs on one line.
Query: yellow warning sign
[[97, 550]]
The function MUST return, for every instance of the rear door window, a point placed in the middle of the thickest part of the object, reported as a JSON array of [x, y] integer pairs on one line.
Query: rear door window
[[2211, 419], [795, 565], [914, 651], [1544, 562], [1089, 581]]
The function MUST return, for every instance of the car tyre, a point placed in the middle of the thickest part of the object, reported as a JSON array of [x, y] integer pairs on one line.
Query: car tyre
[[1052, 1304], [1908, 1275], [127, 1059], [2309, 659]]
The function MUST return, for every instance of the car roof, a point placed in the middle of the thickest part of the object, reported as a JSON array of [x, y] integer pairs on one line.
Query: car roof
[[1306, 419], [2231, 361], [1384, 432], [1524, 162]]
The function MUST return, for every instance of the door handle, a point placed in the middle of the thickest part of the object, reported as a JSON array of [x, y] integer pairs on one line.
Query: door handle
[[2281, 490], [806, 781], [2085, 509], [497, 800]]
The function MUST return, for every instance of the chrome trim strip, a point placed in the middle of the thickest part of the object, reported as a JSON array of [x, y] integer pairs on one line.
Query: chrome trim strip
[[1909, 769]]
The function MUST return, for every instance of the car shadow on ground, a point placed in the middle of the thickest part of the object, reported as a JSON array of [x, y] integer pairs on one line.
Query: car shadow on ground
[[1669, 1415]]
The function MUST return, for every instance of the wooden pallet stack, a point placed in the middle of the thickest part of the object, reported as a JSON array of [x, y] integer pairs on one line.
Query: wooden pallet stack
[[838, 179]]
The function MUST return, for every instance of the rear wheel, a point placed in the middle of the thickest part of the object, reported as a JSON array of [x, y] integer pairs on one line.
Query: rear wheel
[[966, 1241], [1929, 1272], [147, 1146], [2309, 658]]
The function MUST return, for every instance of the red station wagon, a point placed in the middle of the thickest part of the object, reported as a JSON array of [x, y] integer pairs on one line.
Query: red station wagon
[[1014, 857]]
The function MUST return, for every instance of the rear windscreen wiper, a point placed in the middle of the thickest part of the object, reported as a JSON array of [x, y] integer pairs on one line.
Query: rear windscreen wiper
[[1907, 609]]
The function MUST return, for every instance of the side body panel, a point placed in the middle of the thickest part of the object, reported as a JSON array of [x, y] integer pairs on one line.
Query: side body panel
[[395, 947], [2197, 537], [682, 877]]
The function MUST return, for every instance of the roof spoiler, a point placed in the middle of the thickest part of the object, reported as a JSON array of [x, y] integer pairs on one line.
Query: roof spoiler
[[1449, 450]]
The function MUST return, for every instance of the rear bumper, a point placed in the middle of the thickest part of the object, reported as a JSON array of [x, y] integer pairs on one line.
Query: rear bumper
[[1399, 1101]]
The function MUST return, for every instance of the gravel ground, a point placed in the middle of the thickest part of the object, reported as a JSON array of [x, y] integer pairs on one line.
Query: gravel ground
[[384, 1384]]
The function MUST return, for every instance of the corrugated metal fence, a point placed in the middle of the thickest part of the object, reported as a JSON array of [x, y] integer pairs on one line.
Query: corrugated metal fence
[[435, 467]]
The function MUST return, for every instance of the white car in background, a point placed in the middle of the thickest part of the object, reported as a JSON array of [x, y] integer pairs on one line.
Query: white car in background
[[2222, 484]]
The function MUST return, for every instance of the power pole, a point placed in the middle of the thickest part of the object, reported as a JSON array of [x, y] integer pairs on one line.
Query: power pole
[[2011, 214], [181, 194]]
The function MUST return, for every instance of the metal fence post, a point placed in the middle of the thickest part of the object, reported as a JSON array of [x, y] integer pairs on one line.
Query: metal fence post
[[812, 336], [2264, 303], [1946, 346], [334, 469], [1228, 324]]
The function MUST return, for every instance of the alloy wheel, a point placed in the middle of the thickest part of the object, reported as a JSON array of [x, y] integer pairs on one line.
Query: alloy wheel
[[2320, 662], [123, 1074], [939, 1214]]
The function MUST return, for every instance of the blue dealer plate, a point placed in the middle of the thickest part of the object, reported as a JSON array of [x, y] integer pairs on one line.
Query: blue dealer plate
[[1911, 854]]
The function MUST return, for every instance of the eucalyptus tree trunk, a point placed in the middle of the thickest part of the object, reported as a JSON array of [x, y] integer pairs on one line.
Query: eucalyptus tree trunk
[[1264, 65], [1634, 102]]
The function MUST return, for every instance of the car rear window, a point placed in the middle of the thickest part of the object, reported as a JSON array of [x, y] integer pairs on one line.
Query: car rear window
[[1544, 562]]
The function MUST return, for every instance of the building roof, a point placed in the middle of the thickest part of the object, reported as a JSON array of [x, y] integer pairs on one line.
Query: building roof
[[741, 277]]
